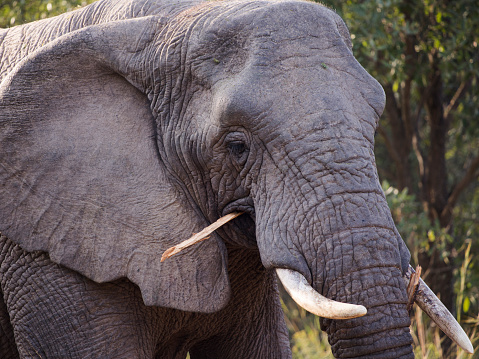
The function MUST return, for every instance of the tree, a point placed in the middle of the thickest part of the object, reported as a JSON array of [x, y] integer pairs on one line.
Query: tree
[[22, 11], [425, 53]]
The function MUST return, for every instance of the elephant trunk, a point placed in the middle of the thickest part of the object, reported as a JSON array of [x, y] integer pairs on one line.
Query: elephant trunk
[[338, 232], [384, 331], [355, 258], [360, 263]]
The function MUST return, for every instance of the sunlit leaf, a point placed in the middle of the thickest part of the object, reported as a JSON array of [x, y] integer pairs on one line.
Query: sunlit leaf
[[466, 305], [439, 17]]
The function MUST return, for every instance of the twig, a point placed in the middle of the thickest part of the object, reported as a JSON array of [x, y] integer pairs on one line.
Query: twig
[[201, 236]]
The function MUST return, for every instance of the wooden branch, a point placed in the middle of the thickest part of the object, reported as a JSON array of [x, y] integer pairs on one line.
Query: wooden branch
[[406, 111], [389, 146], [201, 236], [457, 95], [419, 156], [393, 112], [471, 174], [416, 142], [411, 68]]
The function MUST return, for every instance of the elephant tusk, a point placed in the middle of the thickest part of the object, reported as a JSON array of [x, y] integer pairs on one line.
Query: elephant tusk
[[429, 303], [305, 296]]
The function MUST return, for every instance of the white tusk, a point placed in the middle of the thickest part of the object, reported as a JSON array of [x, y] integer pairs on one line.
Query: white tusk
[[429, 303], [304, 295]]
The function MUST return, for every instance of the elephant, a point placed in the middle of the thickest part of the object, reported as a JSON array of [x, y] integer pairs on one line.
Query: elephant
[[127, 126]]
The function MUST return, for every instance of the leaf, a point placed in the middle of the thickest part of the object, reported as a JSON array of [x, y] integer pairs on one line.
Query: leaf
[[466, 304], [439, 17], [395, 86]]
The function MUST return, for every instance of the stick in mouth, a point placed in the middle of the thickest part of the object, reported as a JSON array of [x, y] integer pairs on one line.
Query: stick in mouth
[[201, 236]]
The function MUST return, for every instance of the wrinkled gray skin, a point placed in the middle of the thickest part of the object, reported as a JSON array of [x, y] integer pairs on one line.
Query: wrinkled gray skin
[[124, 137]]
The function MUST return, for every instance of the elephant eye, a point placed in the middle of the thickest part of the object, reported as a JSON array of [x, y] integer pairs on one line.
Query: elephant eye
[[237, 148], [236, 144]]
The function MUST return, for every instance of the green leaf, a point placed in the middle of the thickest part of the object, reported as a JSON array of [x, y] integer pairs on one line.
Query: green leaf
[[396, 86], [466, 304], [439, 17]]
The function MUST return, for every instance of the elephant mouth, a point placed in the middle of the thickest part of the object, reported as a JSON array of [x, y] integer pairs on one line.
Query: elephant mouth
[[242, 231], [244, 205]]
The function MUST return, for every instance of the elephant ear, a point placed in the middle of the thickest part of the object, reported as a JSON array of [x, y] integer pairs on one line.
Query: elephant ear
[[81, 177]]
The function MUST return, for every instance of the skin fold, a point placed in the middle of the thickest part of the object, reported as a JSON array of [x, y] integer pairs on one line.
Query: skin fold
[[126, 126]]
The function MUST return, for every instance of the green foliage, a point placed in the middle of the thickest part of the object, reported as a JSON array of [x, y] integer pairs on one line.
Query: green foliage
[[443, 37], [307, 344], [22, 11], [307, 339], [417, 231], [467, 285], [411, 222], [444, 28]]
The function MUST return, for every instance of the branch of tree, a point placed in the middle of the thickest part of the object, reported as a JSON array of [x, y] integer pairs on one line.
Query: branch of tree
[[411, 62], [416, 142], [389, 147], [471, 174], [406, 110], [461, 90], [419, 156]]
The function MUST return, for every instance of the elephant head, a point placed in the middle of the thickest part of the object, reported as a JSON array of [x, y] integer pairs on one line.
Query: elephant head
[[122, 139]]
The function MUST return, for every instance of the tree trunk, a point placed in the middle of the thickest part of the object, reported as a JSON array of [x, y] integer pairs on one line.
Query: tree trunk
[[435, 195]]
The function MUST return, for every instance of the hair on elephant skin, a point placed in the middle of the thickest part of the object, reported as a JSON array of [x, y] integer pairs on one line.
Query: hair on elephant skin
[[127, 126]]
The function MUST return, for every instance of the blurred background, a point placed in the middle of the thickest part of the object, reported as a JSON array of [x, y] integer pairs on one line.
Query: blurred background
[[425, 55]]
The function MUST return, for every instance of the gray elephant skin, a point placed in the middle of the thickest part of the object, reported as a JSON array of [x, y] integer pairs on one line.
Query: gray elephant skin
[[127, 126]]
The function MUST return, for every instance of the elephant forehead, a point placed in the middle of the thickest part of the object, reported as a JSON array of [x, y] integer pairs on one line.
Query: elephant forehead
[[229, 36], [305, 100], [289, 22], [282, 20]]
